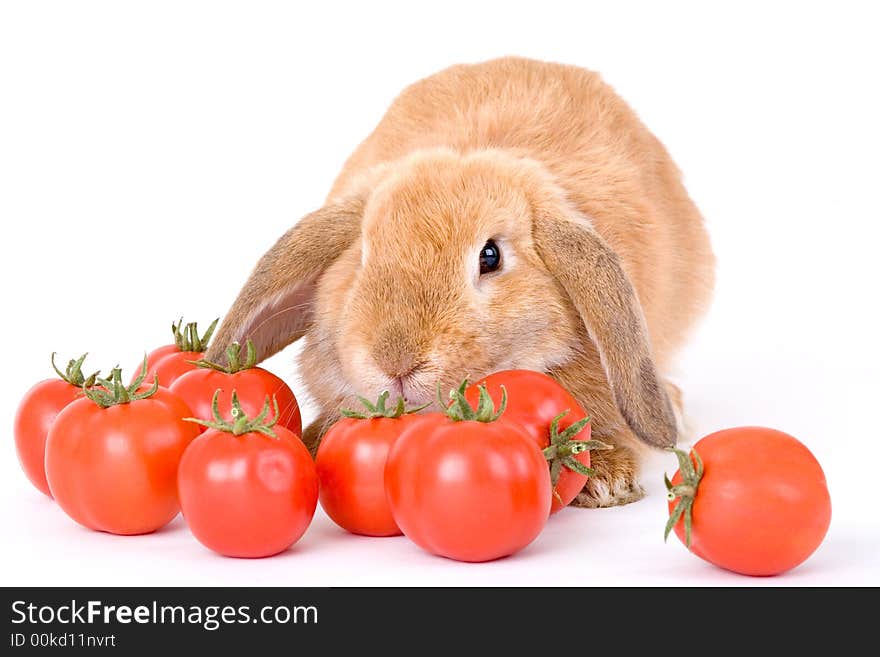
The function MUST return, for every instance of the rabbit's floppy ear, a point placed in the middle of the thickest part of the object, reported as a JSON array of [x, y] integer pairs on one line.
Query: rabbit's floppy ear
[[274, 308], [590, 272]]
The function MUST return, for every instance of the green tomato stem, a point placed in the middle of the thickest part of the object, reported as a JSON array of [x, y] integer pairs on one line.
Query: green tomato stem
[[111, 392], [73, 372], [563, 447], [690, 466], [233, 359], [460, 409], [240, 423], [380, 408], [188, 339]]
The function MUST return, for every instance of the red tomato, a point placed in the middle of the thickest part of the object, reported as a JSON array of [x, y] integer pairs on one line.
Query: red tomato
[[111, 458], [471, 489], [760, 506], [247, 489], [171, 361], [351, 467], [253, 385], [36, 413], [173, 366], [535, 400], [158, 354]]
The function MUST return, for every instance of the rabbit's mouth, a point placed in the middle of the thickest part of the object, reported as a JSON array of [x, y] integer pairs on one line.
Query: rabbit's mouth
[[398, 388], [413, 388], [417, 386]]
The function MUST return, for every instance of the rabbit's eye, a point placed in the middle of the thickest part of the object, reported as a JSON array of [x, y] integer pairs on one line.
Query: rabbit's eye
[[490, 258]]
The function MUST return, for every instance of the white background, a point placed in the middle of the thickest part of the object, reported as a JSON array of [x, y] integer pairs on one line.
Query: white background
[[150, 152]]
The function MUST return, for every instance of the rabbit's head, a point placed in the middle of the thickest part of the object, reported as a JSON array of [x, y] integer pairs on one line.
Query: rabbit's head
[[442, 266]]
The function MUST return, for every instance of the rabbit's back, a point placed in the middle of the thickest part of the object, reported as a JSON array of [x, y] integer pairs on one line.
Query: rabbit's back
[[613, 169]]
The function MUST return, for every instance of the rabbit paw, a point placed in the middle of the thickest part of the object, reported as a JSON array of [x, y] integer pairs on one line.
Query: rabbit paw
[[599, 493], [315, 431], [614, 483]]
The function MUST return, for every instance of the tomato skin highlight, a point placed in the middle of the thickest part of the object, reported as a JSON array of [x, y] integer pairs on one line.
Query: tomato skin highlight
[[253, 385], [762, 506], [534, 399], [248, 496], [35, 415], [469, 491], [351, 469], [115, 469]]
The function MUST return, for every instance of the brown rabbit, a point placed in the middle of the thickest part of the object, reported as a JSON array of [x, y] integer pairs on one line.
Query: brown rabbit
[[510, 214]]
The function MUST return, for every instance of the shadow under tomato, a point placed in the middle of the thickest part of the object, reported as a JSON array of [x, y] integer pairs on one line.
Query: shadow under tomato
[[293, 551], [177, 525]]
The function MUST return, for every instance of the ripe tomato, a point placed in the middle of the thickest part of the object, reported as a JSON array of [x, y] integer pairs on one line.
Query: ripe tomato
[[253, 384], [112, 457], [351, 466], [751, 500], [36, 413], [159, 353], [171, 361], [247, 489], [465, 486], [555, 422]]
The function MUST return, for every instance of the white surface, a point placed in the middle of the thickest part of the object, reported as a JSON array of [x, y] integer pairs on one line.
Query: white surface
[[149, 154]]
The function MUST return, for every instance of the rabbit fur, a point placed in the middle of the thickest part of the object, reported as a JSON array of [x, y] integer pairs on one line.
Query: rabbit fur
[[605, 260]]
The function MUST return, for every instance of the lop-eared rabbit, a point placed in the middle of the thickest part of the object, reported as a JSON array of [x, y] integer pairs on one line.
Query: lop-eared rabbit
[[509, 214]]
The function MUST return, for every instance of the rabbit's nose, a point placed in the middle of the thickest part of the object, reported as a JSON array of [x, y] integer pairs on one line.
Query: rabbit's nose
[[397, 366], [397, 353]]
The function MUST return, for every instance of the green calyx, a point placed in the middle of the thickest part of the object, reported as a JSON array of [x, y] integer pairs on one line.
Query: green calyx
[[460, 409], [110, 392], [380, 408], [240, 423], [189, 339], [73, 373], [563, 447], [691, 473], [234, 363]]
